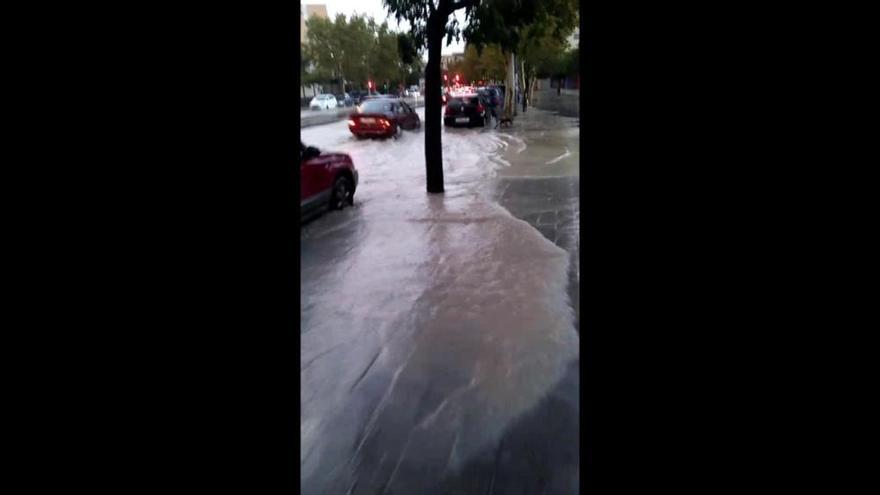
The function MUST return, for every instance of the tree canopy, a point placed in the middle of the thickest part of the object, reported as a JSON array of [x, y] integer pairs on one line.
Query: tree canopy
[[488, 64], [502, 21], [355, 50], [417, 13]]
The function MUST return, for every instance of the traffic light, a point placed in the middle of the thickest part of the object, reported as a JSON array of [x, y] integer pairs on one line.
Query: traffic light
[[370, 86], [444, 78], [456, 78]]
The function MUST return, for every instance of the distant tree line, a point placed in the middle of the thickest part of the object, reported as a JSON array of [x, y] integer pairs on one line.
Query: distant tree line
[[346, 53]]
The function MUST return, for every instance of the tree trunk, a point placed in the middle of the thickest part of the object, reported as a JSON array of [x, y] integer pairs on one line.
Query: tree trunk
[[433, 104], [532, 83], [510, 93]]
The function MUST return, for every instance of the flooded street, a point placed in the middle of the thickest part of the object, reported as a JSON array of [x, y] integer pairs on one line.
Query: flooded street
[[439, 343]]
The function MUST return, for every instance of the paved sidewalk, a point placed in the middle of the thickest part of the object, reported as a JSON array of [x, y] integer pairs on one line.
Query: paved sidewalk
[[566, 104], [542, 184]]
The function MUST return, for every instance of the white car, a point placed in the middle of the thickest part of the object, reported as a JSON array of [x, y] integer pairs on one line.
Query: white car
[[323, 102]]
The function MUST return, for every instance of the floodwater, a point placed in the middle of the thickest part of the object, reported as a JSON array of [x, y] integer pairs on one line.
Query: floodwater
[[438, 349]]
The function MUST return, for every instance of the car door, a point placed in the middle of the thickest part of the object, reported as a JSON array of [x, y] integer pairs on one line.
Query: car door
[[316, 181], [404, 116], [309, 182], [412, 116], [399, 114]]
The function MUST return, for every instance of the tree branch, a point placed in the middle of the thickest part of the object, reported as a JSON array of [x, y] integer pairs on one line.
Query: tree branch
[[461, 4]]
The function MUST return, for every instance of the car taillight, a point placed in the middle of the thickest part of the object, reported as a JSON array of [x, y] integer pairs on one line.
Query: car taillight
[[351, 123], [448, 110], [385, 123], [480, 108]]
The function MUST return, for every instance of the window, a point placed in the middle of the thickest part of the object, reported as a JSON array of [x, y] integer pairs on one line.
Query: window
[[376, 106]]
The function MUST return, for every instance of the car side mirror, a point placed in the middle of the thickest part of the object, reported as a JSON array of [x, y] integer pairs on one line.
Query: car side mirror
[[310, 152]]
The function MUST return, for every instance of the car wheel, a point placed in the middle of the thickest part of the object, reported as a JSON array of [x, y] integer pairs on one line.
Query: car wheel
[[343, 193]]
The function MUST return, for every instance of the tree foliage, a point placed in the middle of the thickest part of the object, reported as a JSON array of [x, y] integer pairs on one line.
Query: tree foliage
[[502, 22], [533, 30], [488, 64], [417, 13], [357, 49]]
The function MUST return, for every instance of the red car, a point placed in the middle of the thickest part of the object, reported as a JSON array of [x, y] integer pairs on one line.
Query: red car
[[383, 117], [325, 179]]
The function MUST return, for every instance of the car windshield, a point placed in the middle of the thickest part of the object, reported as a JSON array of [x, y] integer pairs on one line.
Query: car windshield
[[376, 106]]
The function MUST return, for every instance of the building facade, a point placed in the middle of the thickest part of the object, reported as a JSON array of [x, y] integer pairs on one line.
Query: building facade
[[447, 60], [311, 10]]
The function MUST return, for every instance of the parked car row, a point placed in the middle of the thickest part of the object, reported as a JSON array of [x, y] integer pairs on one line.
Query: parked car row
[[355, 97]]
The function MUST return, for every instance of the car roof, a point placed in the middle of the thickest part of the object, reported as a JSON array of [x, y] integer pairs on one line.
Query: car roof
[[384, 100]]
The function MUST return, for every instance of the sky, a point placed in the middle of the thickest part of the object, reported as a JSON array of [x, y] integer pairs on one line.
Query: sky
[[376, 9]]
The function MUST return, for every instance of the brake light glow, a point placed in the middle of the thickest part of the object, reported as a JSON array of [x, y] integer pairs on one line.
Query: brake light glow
[[480, 107], [351, 123], [385, 123]]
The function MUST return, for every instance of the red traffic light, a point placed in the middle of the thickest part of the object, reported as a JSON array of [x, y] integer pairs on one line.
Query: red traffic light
[[444, 77], [456, 78], [370, 84]]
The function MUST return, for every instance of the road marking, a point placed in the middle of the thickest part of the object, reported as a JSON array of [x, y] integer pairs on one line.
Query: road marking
[[560, 157]]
